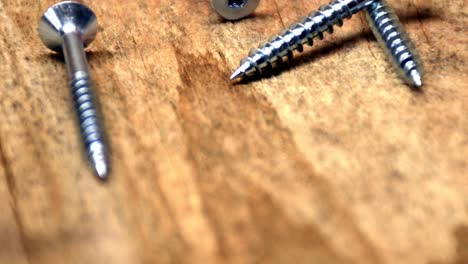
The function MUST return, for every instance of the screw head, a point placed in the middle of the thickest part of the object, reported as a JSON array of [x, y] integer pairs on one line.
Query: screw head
[[234, 9], [67, 17]]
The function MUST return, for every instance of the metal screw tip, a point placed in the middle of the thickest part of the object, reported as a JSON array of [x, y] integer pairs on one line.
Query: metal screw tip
[[416, 79], [99, 159], [244, 71], [237, 74], [101, 169]]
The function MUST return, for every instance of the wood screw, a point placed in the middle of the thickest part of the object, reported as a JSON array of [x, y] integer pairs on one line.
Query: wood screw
[[262, 60], [393, 38], [68, 27]]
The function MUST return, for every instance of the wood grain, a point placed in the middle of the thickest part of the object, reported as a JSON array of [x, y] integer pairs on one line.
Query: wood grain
[[334, 160]]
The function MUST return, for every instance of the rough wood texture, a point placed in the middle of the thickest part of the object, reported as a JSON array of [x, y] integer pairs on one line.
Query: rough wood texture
[[332, 161]]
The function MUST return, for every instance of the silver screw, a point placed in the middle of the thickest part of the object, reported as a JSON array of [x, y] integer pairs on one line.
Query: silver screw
[[68, 27], [234, 9], [270, 54], [393, 38]]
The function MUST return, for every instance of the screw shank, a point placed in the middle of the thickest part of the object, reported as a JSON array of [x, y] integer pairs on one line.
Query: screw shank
[[88, 114], [73, 51], [394, 39], [280, 47]]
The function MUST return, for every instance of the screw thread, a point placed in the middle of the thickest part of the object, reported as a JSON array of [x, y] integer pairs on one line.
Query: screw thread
[[268, 55], [88, 116], [392, 36]]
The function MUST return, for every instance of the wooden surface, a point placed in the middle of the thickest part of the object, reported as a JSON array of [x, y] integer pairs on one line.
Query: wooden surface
[[332, 161]]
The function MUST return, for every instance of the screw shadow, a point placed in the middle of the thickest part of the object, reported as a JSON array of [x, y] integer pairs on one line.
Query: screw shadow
[[93, 56], [256, 15], [461, 251]]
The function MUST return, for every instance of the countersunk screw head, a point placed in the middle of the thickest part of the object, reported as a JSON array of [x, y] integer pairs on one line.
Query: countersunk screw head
[[234, 9], [66, 17]]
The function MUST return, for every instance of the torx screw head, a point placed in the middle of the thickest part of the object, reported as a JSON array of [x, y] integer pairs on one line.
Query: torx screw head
[[234, 9], [66, 17]]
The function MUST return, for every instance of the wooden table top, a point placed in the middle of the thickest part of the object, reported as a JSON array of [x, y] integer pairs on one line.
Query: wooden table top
[[334, 160]]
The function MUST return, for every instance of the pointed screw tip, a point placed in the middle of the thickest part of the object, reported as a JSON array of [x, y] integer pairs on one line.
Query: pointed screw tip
[[416, 79], [418, 84], [237, 75], [102, 170]]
